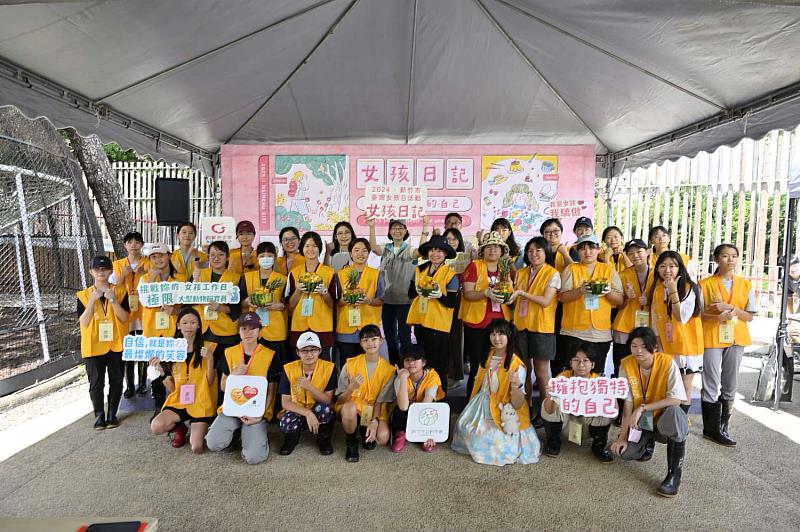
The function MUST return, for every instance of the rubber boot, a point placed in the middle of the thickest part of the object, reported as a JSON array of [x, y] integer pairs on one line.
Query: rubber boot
[[351, 454], [675, 454], [536, 413], [366, 445], [130, 388], [290, 441], [142, 388], [725, 418], [712, 413], [113, 405], [100, 421], [649, 449], [599, 441], [324, 438], [552, 445]]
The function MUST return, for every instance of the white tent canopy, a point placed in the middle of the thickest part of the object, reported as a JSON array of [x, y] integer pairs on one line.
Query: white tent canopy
[[201, 73]]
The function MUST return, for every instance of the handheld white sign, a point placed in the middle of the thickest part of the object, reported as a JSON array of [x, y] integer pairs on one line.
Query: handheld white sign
[[428, 421], [245, 395], [218, 228]]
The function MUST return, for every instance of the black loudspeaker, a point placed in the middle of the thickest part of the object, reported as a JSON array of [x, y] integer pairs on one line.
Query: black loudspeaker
[[172, 201]]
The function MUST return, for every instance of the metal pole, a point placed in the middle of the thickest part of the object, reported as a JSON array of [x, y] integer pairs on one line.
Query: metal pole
[[20, 272], [26, 235], [76, 233], [780, 337], [609, 202]]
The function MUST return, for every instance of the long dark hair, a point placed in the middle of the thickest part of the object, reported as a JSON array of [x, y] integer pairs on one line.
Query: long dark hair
[[336, 241], [541, 243], [685, 283], [457, 234], [513, 247], [506, 328], [194, 358], [288, 229], [647, 336]]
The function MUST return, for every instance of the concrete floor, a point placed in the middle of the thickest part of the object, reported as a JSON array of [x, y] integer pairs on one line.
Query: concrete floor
[[78, 472]]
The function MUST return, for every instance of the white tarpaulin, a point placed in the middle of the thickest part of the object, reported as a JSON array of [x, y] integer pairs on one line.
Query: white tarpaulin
[[610, 73]]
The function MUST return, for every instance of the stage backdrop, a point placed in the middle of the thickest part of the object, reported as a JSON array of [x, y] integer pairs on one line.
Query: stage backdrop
[[313, 187]]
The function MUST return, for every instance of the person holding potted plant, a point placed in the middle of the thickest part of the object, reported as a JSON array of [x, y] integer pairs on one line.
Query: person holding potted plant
[[262, 292]]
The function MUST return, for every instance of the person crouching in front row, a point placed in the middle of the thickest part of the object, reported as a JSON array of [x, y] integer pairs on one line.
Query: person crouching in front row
[[652, 408], [306, 389], [582, 364]]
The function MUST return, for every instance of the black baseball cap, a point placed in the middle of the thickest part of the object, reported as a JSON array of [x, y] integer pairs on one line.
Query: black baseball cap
[[101, 262], [583, 220], [635, 243], [250, 320]]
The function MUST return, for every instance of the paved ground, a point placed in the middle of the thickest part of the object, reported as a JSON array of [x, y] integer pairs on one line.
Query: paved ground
[[77, 472]]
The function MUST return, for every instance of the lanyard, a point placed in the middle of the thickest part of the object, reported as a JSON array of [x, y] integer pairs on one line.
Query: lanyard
[[252, 356], [532, 278], [416, 386], [642, 387], [642, 286], [722, 290], [133, 272], [103, 306], [310, 376]]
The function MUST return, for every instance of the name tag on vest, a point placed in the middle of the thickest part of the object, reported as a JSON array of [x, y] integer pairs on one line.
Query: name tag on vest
[[726, 332], [307, 307], [133, 302], [162, 321], [263, 315], [641, 319], [187, 394], [105, 331], [354, 317]]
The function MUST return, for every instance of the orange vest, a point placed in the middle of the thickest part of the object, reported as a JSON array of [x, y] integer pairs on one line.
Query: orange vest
[[657, 384], [715, 292], [607, 256], [654, 258], [280, 264], [626, 317], [223, 325], [561, 262], [131, 284], [430, 379], [576, 317], [367, 393], [205, 394], [687, 338], [503, 393], [149, 314], [474, 311], [235, 261], [319, 379], [370, 315], [183, 271], [538, 319], [437, 316], [91, 346], [276, 330], [258, 366], [321, 319]]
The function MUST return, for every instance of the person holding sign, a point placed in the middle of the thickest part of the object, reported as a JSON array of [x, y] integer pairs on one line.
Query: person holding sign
[[535, 302], [589, 290], [243, 259], [652, 409], [398, 269], [159, 322], [219, 319], [582, 365], [495, 428], [635, 310], [481, 301], [415, 383], [434, 292], [313, 290], [553, 230], [729, 305], [103, 316], [127, 272], [247, 358], [360, 299], [306, 389], [262, 292], [192, 386], [292, 258], [364, 393], [187, 259], [675, 306]]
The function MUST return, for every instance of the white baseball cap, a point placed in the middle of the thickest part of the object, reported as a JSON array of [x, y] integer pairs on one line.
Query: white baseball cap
[[308, 339], [158, 248]]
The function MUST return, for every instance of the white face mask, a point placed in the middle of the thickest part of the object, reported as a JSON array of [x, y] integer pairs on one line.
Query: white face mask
[[266, 262]]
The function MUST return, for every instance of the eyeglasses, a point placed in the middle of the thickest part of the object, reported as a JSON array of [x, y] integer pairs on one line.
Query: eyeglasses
[[580, 361], [552, 232], [310, 350], [290, 239], [216, 255]]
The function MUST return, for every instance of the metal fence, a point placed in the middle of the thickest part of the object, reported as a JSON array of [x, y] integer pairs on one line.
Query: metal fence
[[138, 182], [736, 195], [47, 236]]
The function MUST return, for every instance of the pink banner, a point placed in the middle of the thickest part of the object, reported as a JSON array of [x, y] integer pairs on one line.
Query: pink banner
[[313, 187]]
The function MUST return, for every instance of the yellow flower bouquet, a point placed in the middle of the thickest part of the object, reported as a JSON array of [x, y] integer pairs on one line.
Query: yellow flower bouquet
[[310, 281]]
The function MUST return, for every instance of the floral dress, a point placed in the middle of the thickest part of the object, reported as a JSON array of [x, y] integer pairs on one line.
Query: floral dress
[[477, 434]]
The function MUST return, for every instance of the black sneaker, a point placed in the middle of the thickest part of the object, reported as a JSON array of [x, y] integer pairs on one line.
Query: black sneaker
[[128, 393], [100, 422], [113, 422]]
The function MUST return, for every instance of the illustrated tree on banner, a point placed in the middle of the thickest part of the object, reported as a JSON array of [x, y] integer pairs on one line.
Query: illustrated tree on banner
[[312, 192]]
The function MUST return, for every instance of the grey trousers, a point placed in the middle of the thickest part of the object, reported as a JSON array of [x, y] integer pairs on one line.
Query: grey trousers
[[255, 447], [720, 372], [673, 424]]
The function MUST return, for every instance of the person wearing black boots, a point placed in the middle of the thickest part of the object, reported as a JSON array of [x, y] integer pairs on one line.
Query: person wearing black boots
[[652, 409], [306, 389], [582, 364]]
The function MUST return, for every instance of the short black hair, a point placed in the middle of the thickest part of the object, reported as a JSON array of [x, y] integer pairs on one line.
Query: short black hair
[[369, 331], [449, 214], [355, 241], [311, 235], [133, 235], [266, 247], [586, 349], [646, 335]]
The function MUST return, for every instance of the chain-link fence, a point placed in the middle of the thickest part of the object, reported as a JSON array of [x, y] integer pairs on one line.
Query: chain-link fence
[[47, 236]]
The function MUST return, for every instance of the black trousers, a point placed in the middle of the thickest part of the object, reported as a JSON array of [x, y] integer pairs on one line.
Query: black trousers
[[436, 345], [620, 352], [568, 345], [96, 369], [476, 343], [398, 420]]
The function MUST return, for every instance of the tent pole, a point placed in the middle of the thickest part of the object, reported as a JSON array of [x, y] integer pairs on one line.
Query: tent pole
[[780, 337]]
